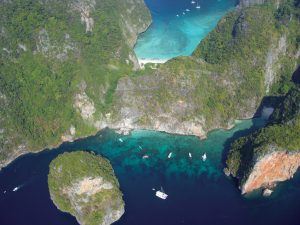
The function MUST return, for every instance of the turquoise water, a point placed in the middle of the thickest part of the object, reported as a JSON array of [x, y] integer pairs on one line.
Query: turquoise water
[[128, 155], [199, 192], [171, 35]]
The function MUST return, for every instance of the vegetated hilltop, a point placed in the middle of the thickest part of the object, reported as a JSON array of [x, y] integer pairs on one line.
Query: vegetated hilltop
[[271, 154], [60, 61], [67, 69], [251, 53], [85, 186]]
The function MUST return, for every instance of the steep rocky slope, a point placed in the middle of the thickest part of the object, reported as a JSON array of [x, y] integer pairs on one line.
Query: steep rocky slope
[[59, 65], [226, 77], [67, 69], [271, 154], [85, 186]]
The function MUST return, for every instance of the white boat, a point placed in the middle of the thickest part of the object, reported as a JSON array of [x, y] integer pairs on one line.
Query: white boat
[[193, 2], [16, 188], [146, 157], [198, 6], [204, 157], [183, 13], [177, 15], [170, 155], [161, 194], [187, 10], [121, 140], [190, 155]]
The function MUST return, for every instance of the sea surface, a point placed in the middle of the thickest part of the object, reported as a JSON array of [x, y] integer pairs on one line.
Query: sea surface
[[178, 26], [199, 192]]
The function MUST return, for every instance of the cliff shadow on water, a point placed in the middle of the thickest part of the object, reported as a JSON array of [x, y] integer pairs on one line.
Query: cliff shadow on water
[[296, 76], [260, 119], [241, 133]]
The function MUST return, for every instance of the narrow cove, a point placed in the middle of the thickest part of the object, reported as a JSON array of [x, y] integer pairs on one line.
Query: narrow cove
[[178, 26]]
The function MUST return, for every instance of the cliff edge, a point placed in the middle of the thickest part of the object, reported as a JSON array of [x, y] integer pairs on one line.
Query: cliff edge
[[85, 186], [271, 154]]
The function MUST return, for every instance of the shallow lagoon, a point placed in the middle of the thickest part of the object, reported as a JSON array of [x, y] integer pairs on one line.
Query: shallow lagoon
[[173, 33]]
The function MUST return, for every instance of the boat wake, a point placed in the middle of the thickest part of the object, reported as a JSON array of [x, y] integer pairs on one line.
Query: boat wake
[[17, 187]]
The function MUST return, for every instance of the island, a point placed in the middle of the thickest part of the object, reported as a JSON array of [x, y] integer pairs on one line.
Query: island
[[84, 185], [271, 154], [77, 57]]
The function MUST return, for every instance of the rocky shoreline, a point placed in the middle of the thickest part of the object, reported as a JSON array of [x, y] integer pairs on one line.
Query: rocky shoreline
[[269, 170], [88, 189]]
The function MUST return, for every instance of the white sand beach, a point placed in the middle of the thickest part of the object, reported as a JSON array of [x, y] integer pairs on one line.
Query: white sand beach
[[143, 62]]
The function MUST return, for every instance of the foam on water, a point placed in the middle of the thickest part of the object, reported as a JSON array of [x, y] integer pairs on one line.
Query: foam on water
[[170, 35]]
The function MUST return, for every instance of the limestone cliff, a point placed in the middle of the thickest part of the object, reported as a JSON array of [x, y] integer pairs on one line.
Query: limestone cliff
[[225, 78], [271, 154], [85, 186], [272, 168], [60, 62], [74, 72]]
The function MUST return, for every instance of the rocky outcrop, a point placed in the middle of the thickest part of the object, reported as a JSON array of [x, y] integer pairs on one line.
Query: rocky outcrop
[[271, 154], [84, 190], [146, 103], [270, 169], [84, 105], [135, 20], [87, 189], [85, 8], [66, 42], [273, 56], [53, 49]]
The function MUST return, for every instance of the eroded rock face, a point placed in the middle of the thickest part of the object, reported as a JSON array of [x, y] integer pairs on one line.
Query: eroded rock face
[[272, 168], [85, 186], [85, 7], [57, 41], [85, 106], [51, 48], [90, 186], [139, 107], [272, 58]]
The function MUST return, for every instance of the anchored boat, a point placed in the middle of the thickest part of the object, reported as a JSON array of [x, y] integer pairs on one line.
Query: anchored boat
[[204, 157], [15, 189], [161, 194]]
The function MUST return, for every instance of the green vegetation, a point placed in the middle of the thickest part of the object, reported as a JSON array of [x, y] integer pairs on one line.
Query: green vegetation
[[238, 35], [224, 79], [83, 200], [282, 133], [46, 54], [47, 57]]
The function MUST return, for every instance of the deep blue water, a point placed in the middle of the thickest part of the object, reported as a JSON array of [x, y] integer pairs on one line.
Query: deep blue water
[[173, 33], [199, 192]]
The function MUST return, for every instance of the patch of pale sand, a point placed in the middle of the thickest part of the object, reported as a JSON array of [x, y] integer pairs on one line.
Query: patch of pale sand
[[91, 186], [143, 62]]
